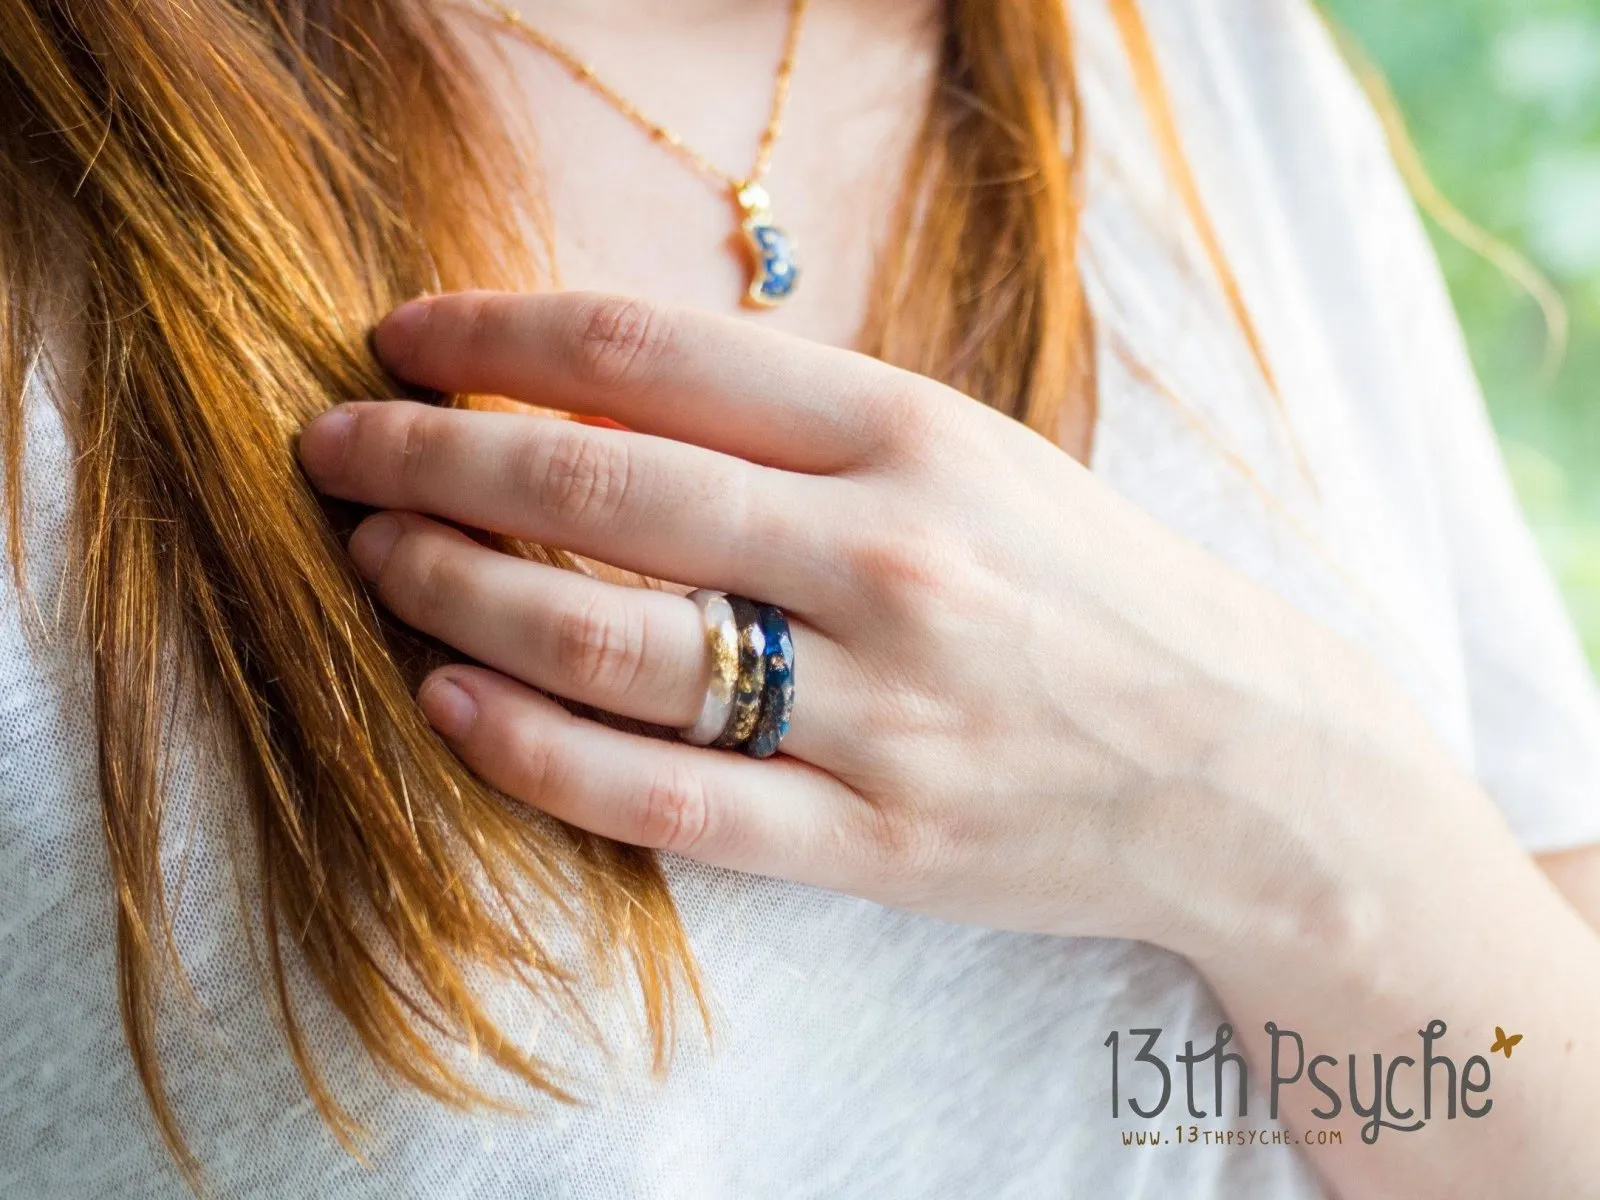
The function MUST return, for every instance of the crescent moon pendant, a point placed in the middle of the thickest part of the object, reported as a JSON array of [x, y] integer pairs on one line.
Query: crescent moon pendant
[[774, 269]]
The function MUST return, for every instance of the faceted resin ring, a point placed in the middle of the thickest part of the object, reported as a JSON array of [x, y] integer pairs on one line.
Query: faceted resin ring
[[752, 675], [777, 689], [722, 647], [751, 694]]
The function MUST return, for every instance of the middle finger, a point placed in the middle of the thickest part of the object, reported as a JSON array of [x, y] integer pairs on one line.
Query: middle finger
[[652, 505]]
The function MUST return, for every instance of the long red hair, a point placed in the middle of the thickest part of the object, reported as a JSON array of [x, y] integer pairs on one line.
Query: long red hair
[[241, 189]]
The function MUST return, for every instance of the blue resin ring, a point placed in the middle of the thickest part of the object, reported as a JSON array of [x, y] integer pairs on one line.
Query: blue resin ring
[[751, 676], [777, 692]]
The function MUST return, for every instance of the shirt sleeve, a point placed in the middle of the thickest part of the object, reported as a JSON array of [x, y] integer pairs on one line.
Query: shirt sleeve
[[1534, 701], [1334, 208]]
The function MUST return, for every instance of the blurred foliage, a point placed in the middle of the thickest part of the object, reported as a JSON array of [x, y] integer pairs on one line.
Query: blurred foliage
[[1503, 100]]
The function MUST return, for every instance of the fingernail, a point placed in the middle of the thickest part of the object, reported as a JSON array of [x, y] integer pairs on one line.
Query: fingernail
[[396, 332], [448, 706], [371, 542], [324, 441]]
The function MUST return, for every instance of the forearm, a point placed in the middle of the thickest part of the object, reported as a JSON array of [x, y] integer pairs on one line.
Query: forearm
[[1378, 891]]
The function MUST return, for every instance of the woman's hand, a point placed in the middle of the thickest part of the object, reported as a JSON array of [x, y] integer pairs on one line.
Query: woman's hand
[[1020, 702]]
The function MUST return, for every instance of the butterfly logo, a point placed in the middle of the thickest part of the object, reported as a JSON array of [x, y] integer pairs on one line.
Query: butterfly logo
[[1504, 1042]]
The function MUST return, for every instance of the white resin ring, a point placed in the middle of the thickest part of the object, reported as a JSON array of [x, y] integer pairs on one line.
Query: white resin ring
[[722, 648]]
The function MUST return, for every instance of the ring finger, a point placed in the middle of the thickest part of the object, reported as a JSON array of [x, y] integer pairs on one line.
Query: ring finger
[[635, 652]]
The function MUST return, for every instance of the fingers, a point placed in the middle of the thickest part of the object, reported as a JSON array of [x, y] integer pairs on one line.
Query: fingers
[[776, 817], [647, 504], [724, 384], [635, 652]]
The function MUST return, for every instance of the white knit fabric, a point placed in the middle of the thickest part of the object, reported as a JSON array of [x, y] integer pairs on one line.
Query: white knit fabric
[[861, 1051]]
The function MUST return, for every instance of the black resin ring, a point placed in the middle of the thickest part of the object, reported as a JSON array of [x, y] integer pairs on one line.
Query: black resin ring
[[748, 686], [777, 691]]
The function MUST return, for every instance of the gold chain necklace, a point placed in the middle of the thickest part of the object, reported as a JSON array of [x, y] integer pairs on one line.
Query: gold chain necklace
[[774, 271]]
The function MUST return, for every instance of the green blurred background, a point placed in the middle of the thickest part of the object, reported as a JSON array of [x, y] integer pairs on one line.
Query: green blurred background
[[1503, 100]]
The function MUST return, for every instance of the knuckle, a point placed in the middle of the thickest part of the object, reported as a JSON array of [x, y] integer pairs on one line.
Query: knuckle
[[618, 341], [902, 414], [600, 647], [581, 479], [905, 416], [897, 567], [480, 324], [921, 421], [418, 581], [413, 440], [911, 718], [676, 814], [732, 495], [909, 849], [537, 771]]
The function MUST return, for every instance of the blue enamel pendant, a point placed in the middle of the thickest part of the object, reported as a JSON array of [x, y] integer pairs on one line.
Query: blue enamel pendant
[[774, 271]]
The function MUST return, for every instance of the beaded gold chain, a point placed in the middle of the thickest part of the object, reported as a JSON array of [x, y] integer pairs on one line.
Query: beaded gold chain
[[774, 269]]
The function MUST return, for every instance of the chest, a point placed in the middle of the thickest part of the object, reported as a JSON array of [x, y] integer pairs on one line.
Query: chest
[[631, 214], [628, 214]]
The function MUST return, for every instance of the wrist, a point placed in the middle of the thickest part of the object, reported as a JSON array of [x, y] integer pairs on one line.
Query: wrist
[[1303, 827], [1254, 761]]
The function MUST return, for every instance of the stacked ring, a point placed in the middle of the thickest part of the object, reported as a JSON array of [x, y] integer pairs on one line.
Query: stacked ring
[[722, 648], [777, 695], [750, 696], [752, 674]]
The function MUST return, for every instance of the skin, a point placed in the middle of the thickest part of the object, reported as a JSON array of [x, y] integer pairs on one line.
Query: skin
[[1086, 726], [1179, 756]]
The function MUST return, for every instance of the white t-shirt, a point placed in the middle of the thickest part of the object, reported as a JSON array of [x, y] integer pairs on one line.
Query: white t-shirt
[[862, 1051]]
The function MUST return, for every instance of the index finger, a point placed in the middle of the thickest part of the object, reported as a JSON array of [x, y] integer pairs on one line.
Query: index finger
[[724, 384]]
